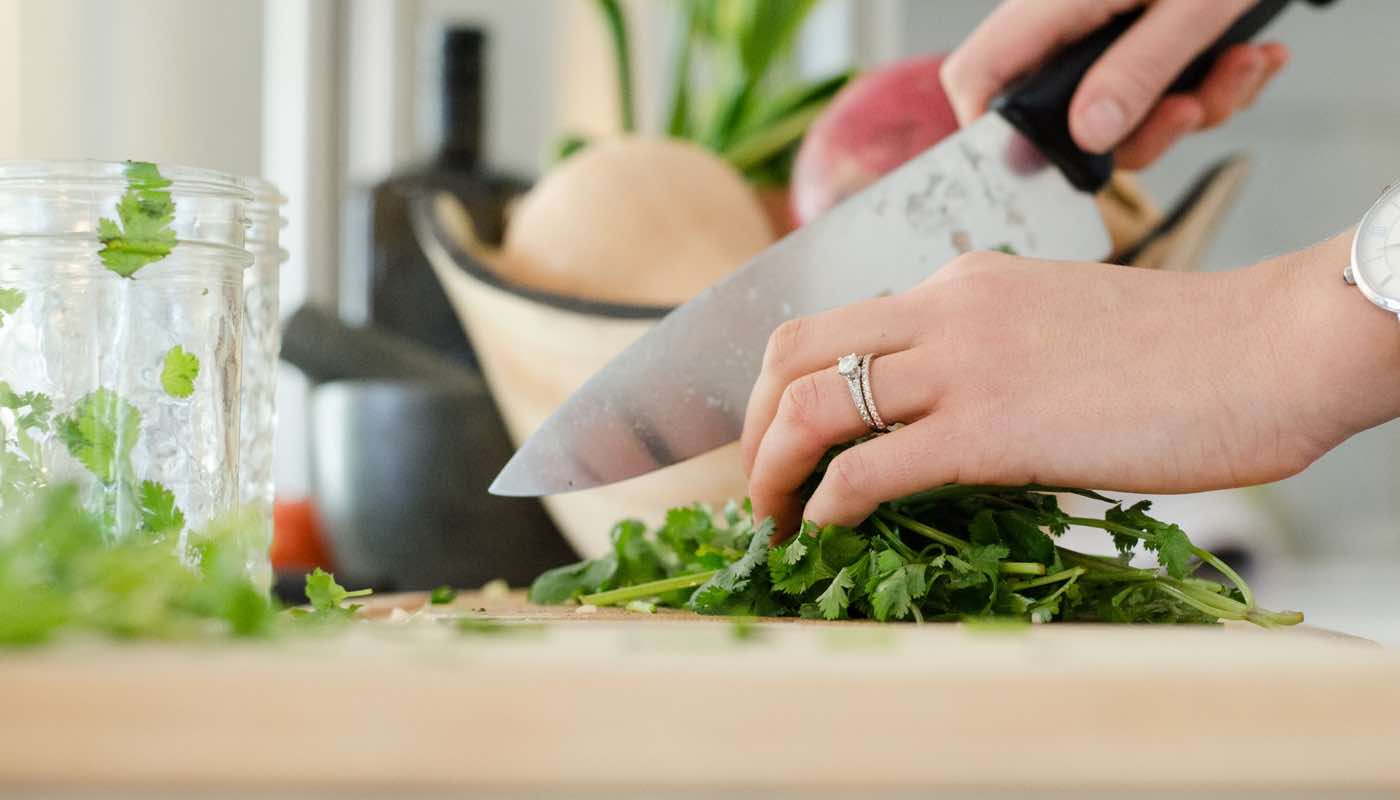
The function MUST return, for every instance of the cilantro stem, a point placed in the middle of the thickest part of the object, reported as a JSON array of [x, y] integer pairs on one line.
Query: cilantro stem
[[1050, 598], [637, 592], [1224, 569], [958, 545], [1273, 619], [1226, 604], [946, 539], [1090, 522], [1105, 565], [1022, 568], [1064, 575], [1209, 610], [1204, 555]]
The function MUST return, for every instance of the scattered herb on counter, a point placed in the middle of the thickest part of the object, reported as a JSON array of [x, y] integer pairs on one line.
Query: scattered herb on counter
[[327, 598], [442, 595], [951, 553], [178, 372], [494, 627]]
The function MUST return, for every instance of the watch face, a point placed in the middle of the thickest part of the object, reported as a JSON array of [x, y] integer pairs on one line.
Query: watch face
[[1376, 255]]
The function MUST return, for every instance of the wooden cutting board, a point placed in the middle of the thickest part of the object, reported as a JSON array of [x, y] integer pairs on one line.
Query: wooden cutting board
[[618, 700]]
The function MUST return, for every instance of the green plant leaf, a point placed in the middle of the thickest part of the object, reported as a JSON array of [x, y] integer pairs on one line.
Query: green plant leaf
[[326, 596], [10, 302], [835, 599], [565, 583], [159, 514], [146, 212], [101, 432], [179, 371], [616, 21]]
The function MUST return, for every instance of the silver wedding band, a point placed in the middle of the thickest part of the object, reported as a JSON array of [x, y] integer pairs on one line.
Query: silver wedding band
[[856, 370]]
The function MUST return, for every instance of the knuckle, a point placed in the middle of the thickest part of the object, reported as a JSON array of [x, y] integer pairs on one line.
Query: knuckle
[[850, 475], [965, 265], [784, 344], [801, 402], [951, 72], [1136, 83]]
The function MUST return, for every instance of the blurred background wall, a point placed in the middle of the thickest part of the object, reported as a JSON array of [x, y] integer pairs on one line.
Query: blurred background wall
[[328, 96]]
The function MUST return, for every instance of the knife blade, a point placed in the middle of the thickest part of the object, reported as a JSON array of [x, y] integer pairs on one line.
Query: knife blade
[[1013, 178]]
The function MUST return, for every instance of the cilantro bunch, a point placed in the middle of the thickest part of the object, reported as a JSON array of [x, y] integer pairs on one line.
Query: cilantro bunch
[[61, 571], [952, 553]]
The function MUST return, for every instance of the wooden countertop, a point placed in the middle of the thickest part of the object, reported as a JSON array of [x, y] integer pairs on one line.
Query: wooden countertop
[[619, 701]]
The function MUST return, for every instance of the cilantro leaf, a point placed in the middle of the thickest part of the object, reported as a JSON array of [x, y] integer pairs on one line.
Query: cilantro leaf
[[896, 592], [835, 599], [326, 596], [1173, 550], [101, 432], [442, 595], [178, 374], [159, 514], [562, 584], [715, 595], [10, 301], [983, 528], [1024, 538], [146, 211], [637, 559], [1171, 544]]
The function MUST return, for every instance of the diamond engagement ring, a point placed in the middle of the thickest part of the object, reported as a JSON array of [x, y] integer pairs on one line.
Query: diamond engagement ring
[[856, 370]]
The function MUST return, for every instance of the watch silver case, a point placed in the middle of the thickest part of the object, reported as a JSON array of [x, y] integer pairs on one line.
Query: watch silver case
[[1353, 276]]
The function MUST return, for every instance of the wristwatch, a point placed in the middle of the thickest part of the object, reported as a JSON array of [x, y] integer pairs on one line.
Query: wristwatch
[[1375, 252]]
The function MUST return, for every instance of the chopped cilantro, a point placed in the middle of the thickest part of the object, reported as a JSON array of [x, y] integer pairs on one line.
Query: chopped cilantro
[[159, 514], [178, 372], [100, 432], [442, 595], [326, 597], [141, 234], [10, 301]]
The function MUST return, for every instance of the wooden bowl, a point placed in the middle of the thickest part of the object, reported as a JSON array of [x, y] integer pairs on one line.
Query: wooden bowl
[[536, 348]]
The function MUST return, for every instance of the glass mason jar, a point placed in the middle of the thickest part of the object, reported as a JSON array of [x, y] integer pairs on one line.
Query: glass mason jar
[[262, 346], [121, 302]]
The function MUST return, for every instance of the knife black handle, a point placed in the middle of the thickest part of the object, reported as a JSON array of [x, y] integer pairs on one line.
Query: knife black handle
[[1038, 104]]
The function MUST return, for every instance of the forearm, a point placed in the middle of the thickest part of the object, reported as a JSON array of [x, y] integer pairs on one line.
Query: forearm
[[1339, 354]]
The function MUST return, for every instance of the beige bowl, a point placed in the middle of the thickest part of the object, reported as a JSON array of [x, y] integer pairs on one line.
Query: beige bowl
[[535, 350]]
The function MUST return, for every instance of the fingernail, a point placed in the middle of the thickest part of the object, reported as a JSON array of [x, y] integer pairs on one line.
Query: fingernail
[[1104, 121]]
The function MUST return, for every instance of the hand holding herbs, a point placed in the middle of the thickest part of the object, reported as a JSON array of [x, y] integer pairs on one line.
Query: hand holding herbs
[[952, 553], [1008, 370]]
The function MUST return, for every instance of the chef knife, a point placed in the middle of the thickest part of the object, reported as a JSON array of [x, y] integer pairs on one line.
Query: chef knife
[[1013, 179]]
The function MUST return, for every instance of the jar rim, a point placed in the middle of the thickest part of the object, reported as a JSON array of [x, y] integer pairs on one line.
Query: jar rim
[[184, 180], [264, 191]]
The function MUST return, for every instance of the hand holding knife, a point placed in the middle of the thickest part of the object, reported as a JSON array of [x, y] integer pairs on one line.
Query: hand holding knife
[[1012, 179]]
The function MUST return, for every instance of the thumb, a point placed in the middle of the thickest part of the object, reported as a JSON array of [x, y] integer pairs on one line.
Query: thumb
[[1126, 83]]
